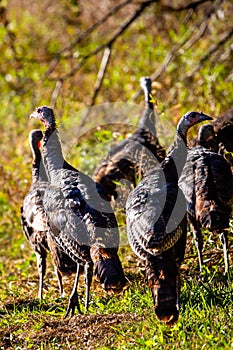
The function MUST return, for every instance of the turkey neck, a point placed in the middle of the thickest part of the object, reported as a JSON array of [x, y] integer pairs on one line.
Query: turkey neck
[[52, 153], [174, 163], [36, 162], [147, 121]]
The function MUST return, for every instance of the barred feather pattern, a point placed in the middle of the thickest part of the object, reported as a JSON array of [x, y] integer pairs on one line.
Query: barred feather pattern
[[217, 136], [34, 220], [156, 229], [207, 184], [157, 224], [80, 217], [154, 211], [135, 156]]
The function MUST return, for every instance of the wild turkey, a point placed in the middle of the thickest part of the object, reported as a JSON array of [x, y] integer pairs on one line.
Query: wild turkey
[[207, 184], [156, 223], [134, 156], [217, 136], [207, 138], [223, 128], [34, 223], [81, 219]]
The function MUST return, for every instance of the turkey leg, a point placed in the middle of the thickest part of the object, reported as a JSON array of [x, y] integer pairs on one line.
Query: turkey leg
[[73, 300]]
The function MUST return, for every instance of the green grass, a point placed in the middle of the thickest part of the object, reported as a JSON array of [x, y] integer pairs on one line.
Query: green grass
[[125, 321], [29, 40]]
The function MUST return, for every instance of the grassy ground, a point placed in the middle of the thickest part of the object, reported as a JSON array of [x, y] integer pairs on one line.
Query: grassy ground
[[30, 39], [124, 321]]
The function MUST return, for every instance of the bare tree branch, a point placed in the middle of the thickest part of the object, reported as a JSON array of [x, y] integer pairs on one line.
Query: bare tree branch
[[191, 37], [55, 93], [109, 43], [178, 49], [83, 35], [96, 25], [223, 39], [192, 5], [230, 76], [98, 84], [10, 35], [100, 76]]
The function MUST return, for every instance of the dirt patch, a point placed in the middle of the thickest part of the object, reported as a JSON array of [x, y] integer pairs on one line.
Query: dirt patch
[[80, 331]]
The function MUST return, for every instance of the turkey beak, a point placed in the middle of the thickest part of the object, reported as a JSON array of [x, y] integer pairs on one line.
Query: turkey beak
[[34, 115], [203, 117]]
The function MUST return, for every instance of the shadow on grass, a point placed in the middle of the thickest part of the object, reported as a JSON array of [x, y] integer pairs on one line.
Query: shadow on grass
[[30, 305]]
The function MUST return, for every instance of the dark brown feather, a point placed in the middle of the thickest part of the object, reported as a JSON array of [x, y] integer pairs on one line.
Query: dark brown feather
[[156, 223], [207, 183], [34, 220], [135, 156], [80, 217]]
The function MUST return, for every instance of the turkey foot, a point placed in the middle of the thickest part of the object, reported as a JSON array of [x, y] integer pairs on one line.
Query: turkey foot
[[73, 302]]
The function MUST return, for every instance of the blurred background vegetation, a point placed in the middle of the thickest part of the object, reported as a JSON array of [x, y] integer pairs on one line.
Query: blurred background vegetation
[[73, 54], [51, 53]]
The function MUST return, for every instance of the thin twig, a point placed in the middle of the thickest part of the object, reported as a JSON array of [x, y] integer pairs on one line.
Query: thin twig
[[100, 76], [224, 38], [109, 43], [192, 5], [55, 93], [98, 84], [83, 35], [178, 49]]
